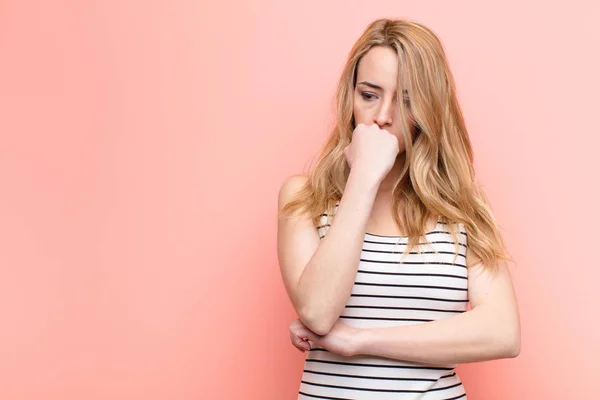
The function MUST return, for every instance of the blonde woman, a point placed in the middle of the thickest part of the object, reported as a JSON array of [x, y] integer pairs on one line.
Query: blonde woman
[[388, 249]]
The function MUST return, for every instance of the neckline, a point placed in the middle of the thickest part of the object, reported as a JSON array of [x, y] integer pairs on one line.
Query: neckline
[[435, 228], [437, 224]]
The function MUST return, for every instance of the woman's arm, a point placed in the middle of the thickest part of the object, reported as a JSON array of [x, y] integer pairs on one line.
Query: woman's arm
[[319, 274], [490, 330]]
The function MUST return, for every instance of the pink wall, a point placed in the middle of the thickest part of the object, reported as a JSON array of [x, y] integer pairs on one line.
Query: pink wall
[[142, 147]]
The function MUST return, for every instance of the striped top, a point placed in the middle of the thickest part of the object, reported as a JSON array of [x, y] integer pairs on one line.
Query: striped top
[[390, 290]]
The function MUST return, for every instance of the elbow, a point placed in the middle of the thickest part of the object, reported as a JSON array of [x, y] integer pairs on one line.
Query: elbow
[[511, 345], [515, 348], [316, 322], [515, 342], [320, 329]]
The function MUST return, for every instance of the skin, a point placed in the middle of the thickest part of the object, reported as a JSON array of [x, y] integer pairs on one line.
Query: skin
[[375, 101]]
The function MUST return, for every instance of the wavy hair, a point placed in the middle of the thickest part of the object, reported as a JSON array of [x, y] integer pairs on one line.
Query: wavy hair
[[438, 177]]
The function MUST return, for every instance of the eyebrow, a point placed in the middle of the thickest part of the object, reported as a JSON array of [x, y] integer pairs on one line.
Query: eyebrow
[[374, 86]]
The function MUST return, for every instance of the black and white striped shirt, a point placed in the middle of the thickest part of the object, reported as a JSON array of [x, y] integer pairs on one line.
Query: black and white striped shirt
[[392, 290]]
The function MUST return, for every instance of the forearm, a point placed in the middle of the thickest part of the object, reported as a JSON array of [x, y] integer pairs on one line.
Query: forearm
[[472, 336], [327, 280]]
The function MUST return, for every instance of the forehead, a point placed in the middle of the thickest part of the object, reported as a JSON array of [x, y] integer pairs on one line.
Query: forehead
[[380, 66]]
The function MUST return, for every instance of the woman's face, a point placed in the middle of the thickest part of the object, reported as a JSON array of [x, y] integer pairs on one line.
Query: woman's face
[[375, 92]]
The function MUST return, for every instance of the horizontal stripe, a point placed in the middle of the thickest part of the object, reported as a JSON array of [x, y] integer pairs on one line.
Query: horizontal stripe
[[322, 397], [410, 286], [343, 398], [409, 297], [387, 319], [381, 390], [464, 395], [406, 308], [379, 377], [414, 262], [411, 274], [414, 252], [400, 244], [356, 364], [400, 236]]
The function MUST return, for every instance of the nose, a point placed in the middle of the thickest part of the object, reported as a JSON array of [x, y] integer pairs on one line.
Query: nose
[[383, 115]]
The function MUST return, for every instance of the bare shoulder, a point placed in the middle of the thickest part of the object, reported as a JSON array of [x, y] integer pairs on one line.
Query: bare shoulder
[[289, 188]]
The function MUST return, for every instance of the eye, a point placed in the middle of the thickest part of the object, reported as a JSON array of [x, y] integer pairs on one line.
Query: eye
[[368, 96], [407, 102]]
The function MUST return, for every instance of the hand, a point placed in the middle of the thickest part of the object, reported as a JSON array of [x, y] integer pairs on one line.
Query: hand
[[299, 335], [341, 339], [372, 150]]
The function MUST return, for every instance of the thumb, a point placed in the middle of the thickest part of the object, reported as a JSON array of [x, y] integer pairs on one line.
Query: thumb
[[299, 342]]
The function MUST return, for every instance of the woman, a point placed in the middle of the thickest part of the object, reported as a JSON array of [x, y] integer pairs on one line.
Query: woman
[[388, 239]]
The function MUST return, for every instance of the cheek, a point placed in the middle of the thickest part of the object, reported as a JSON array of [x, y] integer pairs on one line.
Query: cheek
[[359, 110], [401, 143], [359, 114], [397, 131]]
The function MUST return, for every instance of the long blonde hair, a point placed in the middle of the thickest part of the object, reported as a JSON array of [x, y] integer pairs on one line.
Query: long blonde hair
[[438, 176]]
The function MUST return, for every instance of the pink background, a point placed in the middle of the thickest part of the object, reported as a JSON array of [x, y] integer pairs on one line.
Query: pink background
[[142, 147]]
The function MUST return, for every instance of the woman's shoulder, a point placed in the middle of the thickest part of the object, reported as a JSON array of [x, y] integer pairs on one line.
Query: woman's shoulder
[[290, 186]]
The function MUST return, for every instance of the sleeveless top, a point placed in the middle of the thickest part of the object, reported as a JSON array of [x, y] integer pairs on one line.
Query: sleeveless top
[[389, 290]]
